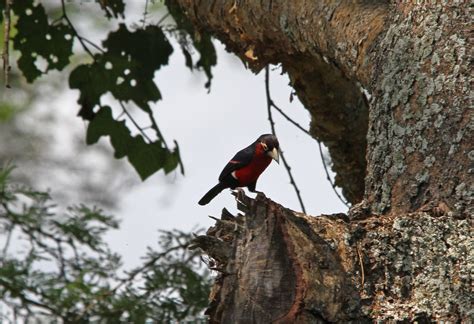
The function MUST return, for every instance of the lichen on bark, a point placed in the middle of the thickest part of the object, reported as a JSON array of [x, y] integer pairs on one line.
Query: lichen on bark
[[419, 120]]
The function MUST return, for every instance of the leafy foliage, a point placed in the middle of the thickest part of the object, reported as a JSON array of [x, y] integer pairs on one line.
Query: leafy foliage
[[65, 271], [37, 38], [146, 158], [124, 67]]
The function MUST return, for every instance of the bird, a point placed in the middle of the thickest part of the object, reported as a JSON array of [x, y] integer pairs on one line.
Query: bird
[[246, 166]]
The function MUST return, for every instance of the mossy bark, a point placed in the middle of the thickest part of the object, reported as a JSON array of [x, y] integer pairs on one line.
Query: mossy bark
[[388, 86]]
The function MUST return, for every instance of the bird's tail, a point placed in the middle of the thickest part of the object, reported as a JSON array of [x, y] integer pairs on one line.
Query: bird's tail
[[212, 193]]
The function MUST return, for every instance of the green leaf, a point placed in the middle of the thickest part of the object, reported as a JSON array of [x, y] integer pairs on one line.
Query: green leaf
[[146, 158], [36, 38], [62, 269], [113, 8], [202, 42], [126, 69], [7, 112]]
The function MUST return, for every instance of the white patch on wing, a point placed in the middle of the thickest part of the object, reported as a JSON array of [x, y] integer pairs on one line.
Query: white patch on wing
[[233, 174]]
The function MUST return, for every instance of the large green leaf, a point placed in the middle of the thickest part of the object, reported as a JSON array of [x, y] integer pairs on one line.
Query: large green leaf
[[146, 158], [36, 38], [126, 69]]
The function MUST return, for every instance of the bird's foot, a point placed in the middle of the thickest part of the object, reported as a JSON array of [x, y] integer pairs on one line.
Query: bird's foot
[[241, 198], [239, 194]]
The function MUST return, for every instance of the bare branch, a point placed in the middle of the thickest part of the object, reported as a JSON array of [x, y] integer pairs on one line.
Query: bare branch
[[69, 22], [333, 185], [272, 125], [97, 47], [273, 105], [289, 119]]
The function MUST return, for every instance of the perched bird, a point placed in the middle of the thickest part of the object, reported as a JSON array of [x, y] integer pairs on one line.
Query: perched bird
[[246, 166]]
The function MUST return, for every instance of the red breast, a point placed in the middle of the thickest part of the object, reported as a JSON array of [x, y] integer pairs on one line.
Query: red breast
[[254, 169]]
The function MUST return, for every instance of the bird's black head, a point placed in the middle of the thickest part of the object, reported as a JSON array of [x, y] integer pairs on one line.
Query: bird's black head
[[270, 146]]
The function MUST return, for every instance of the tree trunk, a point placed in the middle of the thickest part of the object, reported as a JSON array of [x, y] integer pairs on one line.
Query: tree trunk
[[278, 266], [388, 86]]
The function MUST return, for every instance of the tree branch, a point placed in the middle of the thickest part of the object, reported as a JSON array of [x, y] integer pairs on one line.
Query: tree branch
[[69, 22], [6, 42]]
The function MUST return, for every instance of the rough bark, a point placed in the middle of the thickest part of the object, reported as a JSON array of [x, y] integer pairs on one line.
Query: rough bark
[[388, 87], [420, 125], [279, 266]]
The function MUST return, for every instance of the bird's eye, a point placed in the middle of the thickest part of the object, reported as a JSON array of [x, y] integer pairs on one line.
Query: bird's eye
[[265, 147]]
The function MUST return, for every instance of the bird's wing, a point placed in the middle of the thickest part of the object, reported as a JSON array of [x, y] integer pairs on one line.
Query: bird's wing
[[241, 159]]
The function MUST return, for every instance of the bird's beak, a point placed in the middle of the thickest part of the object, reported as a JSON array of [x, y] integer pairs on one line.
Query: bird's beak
[[274, 154]]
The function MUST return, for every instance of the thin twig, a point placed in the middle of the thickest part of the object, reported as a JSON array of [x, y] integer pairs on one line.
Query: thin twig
[[81, 39], [97, 47], [272, 125], [154, 125], [163, 19], [289, 118], [7, 243], [361, 265], [125, 111], [6, 40], [147, 265], [145, 13], [69, 22], [333, 185]]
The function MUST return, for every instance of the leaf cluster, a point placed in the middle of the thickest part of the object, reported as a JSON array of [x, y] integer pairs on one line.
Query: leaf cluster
[[60, 268], [123, 66]]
